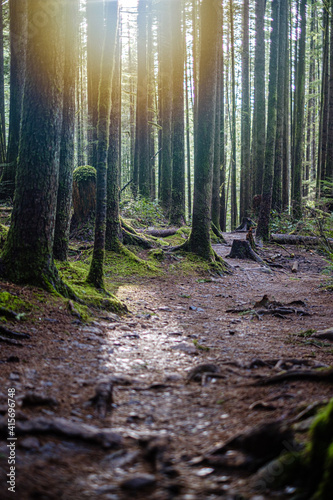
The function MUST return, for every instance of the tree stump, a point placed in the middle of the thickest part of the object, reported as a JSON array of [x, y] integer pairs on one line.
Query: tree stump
[[84, 195], [241, 249]]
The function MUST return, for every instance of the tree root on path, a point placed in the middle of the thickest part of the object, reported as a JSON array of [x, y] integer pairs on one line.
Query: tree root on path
[[314, 375]]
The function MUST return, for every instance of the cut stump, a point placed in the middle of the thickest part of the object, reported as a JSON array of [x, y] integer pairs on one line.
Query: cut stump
[[241, 249]]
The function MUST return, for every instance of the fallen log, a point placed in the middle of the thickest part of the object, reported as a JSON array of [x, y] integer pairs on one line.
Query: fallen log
[[293, 239], [162, 233]]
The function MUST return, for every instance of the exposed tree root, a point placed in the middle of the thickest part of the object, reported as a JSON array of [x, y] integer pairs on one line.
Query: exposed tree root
[[315, 375]]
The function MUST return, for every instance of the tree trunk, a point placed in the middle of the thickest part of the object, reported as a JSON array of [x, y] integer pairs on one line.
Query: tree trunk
[[166, 106], [65, 189], [28, 251], [223, 213], [262, 232], [245, 194], [259, 120], [278, 161], [141, 135], [96, 271], [297, 169], [328, 188], [199, 241], [18, 34], [113, 230], [2, 94], [177, 209], [233, 124], [217, 148], [323, 126], [95, 35]]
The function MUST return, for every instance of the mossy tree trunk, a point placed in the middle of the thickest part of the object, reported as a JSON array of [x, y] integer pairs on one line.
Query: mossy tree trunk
[[199, 240], [141, 133], [278, 161], [217, 150], [245, 195], [262, 232], [233, 187], [96, 271], [297, 160], [18, 34], [2, 93], [28, 252], [166, 105], [259, 113], [95, 34], [113, 229], [223, 213], [65, 189], [177, 209]]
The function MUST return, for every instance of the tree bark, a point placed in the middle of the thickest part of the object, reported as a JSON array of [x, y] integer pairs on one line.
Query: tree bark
[[65, 189], [259, 120], [262, 232], [96, 271], [297, 169], [141, 133], [18, 34], [177, 209], [166, 106], [28, 251]]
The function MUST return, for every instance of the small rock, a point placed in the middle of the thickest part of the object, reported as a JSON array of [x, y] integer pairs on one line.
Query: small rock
[[139, 482], [29, 443], [165, 308], [14, 376], [187, 348], [92, 329]]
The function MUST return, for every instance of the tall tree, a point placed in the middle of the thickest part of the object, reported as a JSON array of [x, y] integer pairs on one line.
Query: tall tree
[[96, 271], [18, 34], [328, 189], [2, 92], [222, 137], [297, 159], [199, 240], [28, 251], [95, 36], [323, 124], [64, 198], [217, 150], [279, 142], [141, 135], [259, 112], [113, 230], [234, 210], [245, 191], [262, 232], [165, 181], [177, 209]]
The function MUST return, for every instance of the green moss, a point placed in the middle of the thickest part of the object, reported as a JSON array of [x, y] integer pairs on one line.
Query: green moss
[[75, 274], [157, 254], [126, 263], [12, 302], [3, 235], [84, 173]]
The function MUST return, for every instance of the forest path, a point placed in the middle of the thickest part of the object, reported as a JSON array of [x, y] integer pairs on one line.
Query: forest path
[[164, 416]]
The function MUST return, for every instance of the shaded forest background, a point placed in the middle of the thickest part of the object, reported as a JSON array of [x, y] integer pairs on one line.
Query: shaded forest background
[[208, 111]]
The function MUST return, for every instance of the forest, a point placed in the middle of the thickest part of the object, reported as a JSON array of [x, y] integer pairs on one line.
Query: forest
[[166, 249]]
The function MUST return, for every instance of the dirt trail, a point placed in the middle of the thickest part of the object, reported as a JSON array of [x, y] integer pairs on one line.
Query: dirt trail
[[164, 417]]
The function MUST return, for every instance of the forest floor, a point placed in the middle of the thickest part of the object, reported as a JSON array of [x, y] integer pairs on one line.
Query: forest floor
[[160, 437]]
